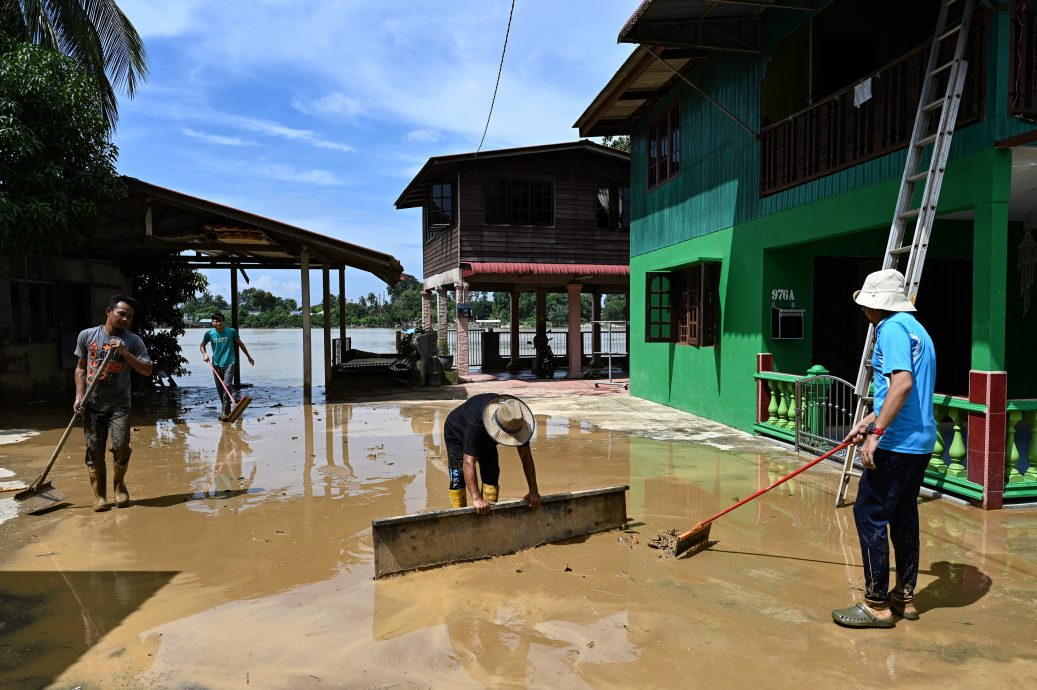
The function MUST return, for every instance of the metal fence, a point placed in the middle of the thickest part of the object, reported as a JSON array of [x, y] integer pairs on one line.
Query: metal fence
[[614, 342], [824, 407]]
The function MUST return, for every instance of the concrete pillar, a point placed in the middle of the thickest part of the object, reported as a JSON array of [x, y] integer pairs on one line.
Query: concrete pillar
[[342, 306], [234, 319], [575, 335], [326, 308], [764, 362], [989, 285], [596, 329], [986, 435], [441, 317], [307, 354], [461, 295], [513, 361], [426, 310], [540, 320]]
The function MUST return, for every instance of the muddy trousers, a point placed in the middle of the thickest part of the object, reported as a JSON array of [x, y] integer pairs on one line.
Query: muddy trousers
[[226, 374], [98, 427], [886, 509]]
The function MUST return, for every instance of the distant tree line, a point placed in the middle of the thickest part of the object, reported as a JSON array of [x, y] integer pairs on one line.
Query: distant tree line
[[401, 308]]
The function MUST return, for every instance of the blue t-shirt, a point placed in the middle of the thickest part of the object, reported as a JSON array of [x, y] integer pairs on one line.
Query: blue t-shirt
[[224, 351], [903, 345]]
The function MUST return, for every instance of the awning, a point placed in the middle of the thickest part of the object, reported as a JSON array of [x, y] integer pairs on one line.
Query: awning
[[723, 25], [476, 268]]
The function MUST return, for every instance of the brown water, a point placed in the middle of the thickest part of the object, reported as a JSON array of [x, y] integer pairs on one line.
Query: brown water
[[246, 562]]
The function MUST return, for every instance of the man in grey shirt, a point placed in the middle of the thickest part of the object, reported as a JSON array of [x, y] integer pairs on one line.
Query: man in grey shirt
[[107, 410]]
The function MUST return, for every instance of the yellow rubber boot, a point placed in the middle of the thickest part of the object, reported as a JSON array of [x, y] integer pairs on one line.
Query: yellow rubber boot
[[122, 496], [98, 477], [458, 498], [490, 492]]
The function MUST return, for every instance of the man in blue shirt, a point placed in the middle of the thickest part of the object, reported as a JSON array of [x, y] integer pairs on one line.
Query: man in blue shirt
[[898, 440], [225, 344]]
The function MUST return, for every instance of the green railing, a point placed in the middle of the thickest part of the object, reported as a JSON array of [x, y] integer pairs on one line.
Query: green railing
[[948, 468]]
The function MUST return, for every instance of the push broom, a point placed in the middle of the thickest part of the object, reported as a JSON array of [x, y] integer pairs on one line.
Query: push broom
[[41, 494], [699, 534], [239, 406]]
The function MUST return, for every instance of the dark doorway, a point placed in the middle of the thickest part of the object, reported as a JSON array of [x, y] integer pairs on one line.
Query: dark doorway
[[944, 308]]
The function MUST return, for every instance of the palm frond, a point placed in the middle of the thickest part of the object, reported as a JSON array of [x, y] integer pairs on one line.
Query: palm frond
[[95, 33]]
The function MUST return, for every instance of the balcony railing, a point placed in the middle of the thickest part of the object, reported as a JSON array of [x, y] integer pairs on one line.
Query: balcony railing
[[1022, 90], [790, 412], [833, 134]]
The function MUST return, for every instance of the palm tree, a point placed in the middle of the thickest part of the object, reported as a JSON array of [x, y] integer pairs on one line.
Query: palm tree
[[95, 33]]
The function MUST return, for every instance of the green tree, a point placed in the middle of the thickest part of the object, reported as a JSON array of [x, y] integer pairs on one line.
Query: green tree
[[57, 161], [94, 33], [620, 142], [615, 308], [160, 321]]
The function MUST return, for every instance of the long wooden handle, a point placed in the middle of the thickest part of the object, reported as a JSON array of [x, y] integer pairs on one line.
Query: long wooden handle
[[784, 479], [68, 429]]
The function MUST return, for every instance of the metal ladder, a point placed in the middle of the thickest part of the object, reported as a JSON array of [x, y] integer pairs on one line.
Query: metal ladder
[[931, 104]]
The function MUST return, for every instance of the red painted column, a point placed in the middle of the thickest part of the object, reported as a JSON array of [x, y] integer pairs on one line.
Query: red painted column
[[986, 441], [764, 362]]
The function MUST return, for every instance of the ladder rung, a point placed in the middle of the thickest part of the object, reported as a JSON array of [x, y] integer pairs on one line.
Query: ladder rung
[[927, 140], [910, 213], [941, 68], [949, 32], [938, 103], [920, 176], [900, 250]]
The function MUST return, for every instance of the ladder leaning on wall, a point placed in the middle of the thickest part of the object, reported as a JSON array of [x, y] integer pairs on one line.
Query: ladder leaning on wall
[[941, 108]]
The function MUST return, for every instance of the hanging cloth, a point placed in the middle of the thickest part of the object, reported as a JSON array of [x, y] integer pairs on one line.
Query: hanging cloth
[[862, 93]]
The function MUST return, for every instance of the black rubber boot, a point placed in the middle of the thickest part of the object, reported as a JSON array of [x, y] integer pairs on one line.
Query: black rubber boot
[[98, 483]]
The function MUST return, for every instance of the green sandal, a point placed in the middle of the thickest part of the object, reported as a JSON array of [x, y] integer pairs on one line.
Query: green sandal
[[858, 616]]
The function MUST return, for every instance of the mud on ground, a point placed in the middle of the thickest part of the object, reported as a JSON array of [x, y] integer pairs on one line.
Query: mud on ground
[[246, 562]]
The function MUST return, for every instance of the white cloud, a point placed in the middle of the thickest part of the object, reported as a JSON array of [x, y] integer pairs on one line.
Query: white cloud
[[217, 139], [289, 173], [424, 135], [332, 104]]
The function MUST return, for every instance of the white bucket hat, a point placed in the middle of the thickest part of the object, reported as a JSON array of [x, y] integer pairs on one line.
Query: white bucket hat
[[508, 421], [884, 290]]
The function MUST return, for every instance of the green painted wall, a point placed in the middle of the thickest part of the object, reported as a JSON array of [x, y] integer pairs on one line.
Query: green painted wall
[[776, 251], [718, 186]]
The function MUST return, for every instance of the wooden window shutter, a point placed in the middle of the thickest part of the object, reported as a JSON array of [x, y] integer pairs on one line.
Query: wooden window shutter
[[659, 308]]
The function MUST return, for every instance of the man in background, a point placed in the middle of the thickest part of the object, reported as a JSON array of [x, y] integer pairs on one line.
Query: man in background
[[225, 344]]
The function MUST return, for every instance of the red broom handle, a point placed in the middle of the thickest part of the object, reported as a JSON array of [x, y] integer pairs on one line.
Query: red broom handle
[[220, 379], [784, 479]]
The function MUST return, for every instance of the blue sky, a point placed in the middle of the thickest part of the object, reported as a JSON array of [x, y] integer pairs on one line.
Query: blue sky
[[318, 113]]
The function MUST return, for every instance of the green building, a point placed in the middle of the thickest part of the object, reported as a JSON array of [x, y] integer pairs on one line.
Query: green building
[[768, 143]]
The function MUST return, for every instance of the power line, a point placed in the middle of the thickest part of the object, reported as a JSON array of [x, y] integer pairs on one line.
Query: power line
[[500, 69]]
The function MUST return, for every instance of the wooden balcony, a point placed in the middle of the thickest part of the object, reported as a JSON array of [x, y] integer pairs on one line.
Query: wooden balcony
[[833, 134]]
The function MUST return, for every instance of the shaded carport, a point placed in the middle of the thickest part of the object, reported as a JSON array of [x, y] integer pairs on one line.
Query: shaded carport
[[155, 227]]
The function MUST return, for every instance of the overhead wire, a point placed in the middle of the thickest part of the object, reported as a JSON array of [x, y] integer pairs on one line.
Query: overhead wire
[[496, 86]]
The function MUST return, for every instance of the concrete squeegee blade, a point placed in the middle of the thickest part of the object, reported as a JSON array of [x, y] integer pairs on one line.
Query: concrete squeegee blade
[[439, 537]]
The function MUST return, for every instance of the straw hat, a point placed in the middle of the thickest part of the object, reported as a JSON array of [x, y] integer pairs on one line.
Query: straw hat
[[884, 290], [508, 421]]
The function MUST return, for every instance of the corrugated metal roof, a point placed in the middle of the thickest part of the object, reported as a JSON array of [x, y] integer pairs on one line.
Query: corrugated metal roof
[[506, 268]]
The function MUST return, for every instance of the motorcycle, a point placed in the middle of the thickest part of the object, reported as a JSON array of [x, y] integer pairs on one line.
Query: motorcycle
[[545, 358]]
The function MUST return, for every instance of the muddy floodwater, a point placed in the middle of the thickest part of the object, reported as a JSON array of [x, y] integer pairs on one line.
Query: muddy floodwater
[[246, 561]]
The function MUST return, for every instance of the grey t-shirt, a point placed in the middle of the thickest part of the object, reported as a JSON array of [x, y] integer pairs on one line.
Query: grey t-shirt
[[113, 385]]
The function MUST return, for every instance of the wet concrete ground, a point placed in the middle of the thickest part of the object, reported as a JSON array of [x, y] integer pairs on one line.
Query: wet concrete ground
[[245, 561]]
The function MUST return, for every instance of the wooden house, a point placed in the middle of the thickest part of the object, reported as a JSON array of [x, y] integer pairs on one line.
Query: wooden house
[[550, 218]]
